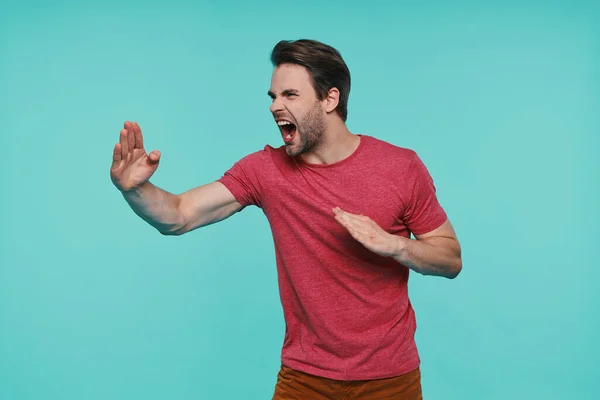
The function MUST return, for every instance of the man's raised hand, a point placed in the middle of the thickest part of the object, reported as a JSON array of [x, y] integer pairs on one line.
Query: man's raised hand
[[132, 166]]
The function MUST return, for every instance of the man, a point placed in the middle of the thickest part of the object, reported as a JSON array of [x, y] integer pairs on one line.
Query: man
[[341, 207]]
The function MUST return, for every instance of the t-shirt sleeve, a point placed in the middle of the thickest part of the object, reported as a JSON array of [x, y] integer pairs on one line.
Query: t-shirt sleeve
[[242, 180], [423, 212]]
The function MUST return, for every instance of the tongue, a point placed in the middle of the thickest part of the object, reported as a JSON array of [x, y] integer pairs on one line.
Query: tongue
[[289, 135]]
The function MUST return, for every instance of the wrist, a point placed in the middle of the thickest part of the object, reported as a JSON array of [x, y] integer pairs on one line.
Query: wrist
[[404, 254], [399, 250], [135, 190]]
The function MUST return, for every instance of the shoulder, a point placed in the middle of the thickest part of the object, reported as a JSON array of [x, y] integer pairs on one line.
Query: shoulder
[[400, 158], [265, 157]]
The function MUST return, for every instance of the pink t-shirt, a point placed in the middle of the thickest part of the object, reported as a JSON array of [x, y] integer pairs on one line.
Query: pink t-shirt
[[346, 309]]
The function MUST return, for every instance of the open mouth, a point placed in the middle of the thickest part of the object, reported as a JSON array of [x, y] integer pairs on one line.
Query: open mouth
[[288, 130]]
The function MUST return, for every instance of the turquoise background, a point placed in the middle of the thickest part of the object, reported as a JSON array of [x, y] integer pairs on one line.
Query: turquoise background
[[501, 101]]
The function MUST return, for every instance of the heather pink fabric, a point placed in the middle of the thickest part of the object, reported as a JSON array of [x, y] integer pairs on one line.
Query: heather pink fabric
[[347, 311]]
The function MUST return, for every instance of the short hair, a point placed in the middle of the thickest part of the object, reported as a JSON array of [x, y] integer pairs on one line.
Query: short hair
[[324, 64]]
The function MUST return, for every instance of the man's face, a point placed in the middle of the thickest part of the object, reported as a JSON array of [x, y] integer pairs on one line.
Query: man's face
[[296, 109]]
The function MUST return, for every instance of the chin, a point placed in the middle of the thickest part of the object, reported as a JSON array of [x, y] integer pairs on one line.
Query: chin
[[296, 147], [291, 151], [292, 148]]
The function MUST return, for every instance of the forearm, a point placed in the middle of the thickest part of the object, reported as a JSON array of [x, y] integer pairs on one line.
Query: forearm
[[437, 256], [157, 207]]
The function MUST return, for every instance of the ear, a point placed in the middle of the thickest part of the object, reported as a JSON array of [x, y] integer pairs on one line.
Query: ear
[[332, 100]]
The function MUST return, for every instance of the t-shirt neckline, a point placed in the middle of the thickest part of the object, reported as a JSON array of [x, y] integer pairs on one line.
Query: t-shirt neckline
[[361, 145]]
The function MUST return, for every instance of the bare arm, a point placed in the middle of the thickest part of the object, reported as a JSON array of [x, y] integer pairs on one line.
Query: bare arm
[[436, 253], [174, 214], [170, 214]]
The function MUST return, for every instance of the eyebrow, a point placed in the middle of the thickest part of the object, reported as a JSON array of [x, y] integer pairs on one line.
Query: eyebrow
[[286, 92]]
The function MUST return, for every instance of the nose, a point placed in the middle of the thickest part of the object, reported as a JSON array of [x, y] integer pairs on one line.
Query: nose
[[276, 105]]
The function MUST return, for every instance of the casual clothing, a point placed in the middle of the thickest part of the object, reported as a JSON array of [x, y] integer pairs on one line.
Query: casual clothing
[[347, 312], [297, 385]]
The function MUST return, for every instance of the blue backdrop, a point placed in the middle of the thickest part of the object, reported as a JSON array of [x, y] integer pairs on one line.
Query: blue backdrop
[[500, 101]]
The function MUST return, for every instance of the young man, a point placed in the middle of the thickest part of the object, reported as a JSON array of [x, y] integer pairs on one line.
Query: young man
[[341, 207]]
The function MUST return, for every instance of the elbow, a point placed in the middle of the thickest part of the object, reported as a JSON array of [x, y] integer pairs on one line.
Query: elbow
[[176, 230], [455, 270], [456, 265], [170, 232]]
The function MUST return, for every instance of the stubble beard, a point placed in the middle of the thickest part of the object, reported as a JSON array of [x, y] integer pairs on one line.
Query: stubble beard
[[310, 132]]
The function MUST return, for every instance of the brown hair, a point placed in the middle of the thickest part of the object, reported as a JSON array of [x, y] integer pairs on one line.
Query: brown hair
[[324, 64]]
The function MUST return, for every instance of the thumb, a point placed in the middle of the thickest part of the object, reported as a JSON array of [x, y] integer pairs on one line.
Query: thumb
[[154, 157]]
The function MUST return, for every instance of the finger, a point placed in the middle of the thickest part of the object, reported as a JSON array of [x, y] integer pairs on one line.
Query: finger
[[342, 221], [348, 223], [357, 235], [129, 128], [116, 155], [358, 228], [131, 137], [361, 217], [154, 157], [139, 139], [350, 218], [124, 143], [361, 229]]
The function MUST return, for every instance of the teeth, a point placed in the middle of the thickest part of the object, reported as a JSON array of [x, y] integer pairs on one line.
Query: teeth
[[288, 136], [281, 123]]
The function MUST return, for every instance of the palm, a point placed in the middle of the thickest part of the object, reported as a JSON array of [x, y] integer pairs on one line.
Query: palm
[[131, 165], [367, 232]]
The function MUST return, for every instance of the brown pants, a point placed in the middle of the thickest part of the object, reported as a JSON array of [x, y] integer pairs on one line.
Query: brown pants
[[296, 385]]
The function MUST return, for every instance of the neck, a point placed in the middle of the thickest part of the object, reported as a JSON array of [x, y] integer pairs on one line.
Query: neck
[[337, 144]]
